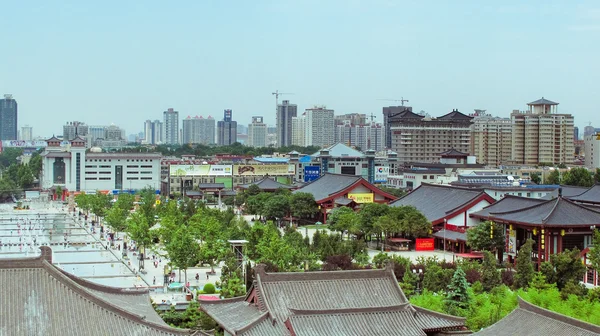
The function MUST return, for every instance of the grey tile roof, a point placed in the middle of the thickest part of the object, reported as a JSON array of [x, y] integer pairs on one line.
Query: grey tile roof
[[343, 201], [435, 201], [266, 184], [455, 115], [508, 203], [232, 314], [571, 191], [451, 235], [266, 327], [453, 152], [40, 299], [542, 101], [592, 195], [530, 320], [431, 321], [341, 150], [328, 184], [556, 212], [211, 186]]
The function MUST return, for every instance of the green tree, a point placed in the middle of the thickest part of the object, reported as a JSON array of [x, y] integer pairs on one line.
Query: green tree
[[214, 244], [524, 266], [393, 191], [7, 188], [415, 223], [9, 156], [277, 206], [553, 177], [486, 236], [147, 205], [35, 164], [579, 177], [58, 191], [255, 203], [138, 229], [457, 297], [83, 201], [566, 266], [183, 250], [116, 216], [490, 277], [536, 178], [368, 216], [409, 283], [100, 203], [303, 205], [593, 254], [343, 219], [597, 175], [25, 176]]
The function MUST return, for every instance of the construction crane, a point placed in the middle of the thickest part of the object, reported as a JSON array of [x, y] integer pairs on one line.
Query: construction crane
[[401, 100], [277, 94]]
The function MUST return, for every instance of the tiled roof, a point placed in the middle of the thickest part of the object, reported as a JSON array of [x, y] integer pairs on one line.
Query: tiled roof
[[328, 184], [343, 201], [265, 327], [530, 320], [455, 115], [40, 299], [405, 114], [266, 184], [451, 235], [571, 191], [453, 152], [232, 314], [592, 195], [508, 203], [211, 186], [543, 101], [557, 212], [431, 321], [341, 150], [435, 201]]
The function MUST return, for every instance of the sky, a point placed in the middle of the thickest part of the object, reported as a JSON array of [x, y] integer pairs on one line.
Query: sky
[[123, 62]]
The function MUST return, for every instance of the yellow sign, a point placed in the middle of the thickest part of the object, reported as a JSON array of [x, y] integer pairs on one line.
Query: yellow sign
[[264, 169], [361, 198]]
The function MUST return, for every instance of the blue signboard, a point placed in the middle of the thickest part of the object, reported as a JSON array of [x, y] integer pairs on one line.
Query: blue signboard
[[311, 173]]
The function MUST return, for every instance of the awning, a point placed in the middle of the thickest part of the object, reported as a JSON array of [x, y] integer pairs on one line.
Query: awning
[[451, 235]]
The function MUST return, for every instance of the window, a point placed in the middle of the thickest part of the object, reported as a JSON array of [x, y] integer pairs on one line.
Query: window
[[145, 178], [91, 179], [104, 178], [132, 166], [132, 178], [144, 166]]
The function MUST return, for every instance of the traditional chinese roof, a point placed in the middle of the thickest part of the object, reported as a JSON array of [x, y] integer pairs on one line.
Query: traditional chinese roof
[[437, 202], [543, 101], [556, 212], [40, 299], [335, 185], [211, 186], [592, 195], [530, 320], [451, 235], [361, 302], [453, 153], [266, 183], [572, 191], [405, 114], [508, 203], [455, 115]]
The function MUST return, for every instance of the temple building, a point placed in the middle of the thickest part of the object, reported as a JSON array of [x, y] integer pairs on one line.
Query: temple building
[[361, 302], [39, 298]]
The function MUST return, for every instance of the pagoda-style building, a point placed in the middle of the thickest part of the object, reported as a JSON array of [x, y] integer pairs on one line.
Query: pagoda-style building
[[359, 302]]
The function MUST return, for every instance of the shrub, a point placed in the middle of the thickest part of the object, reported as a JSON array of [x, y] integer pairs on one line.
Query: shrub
[[209, 288], [508, 278]]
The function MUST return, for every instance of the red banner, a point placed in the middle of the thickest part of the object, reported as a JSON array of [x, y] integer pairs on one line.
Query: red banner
[[424, 244]]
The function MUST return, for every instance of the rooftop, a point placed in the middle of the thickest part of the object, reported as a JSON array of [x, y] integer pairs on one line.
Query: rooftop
[[543, 101], [266, 183], [340, 150], [329, 184]]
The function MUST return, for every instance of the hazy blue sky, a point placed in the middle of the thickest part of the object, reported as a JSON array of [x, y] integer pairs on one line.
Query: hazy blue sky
[[124, 62]]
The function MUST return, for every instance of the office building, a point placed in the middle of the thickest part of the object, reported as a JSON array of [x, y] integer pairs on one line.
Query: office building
[[362, 137], [8, 118], [171, 127], [416, 138], [299, 131], [320, 127], [199, 130], [491, 138], [257, 133], [542, 135], [153, 132], [389, 113], [285, 113], [26, 133], [226, 130], [75, 129], [575, 133]]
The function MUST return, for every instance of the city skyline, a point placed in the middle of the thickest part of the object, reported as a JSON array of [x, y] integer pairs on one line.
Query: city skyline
[[438, 55]]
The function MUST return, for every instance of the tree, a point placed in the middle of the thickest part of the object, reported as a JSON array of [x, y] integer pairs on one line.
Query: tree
[[116, 216], [25, 176], [214, 245], [58, 191], [35, 164], [7, 188], [553, 177], [100, 203], [303, 205], [566, 266], [83, 201], [138, 230], [147, 205], [183, 250], [276, 207], [393, 191], [486, 236], [343, 220], [490, 277], [457, 297], [369, 214], [524, 265], [597, 176], [536, 178], [594, 253], [579, 177], [255, 203], [415, 223], [9, 156]]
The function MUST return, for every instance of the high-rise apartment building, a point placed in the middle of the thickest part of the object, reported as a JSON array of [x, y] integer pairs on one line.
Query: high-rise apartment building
[[95, 133], [226, 130], [353, 118], [389, 113], [285, 113], [320, 127], [153, 132], [491, 138], [171, 127], [592, 151], [575, 133], [199, 130], [364, 137], [8, 118], [542, 135], [417, 138], [589, 130], [257, 133], [74, 129], [299, 131], [26, 133]]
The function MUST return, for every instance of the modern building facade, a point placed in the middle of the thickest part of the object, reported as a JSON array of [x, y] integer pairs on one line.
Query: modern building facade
[[299, 131], [353, 118], [542, 135], [257, 132], [199, 130], [75, 129], [320, 127], [226, 130], [8, 118], [171, 127], [26, 133], [592, 151], [363, 137], [153, 132], [422, 139], [491, 138], [390, 113], [285, 113]]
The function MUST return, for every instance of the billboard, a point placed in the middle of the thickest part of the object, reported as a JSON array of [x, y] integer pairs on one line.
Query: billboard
[[23, 144], [361, 198], [381, 174], [264, 169], [311, 173], [200, 170], [424, 244]]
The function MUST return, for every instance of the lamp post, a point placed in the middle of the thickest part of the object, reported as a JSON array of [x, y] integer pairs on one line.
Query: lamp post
[[445, 222]]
